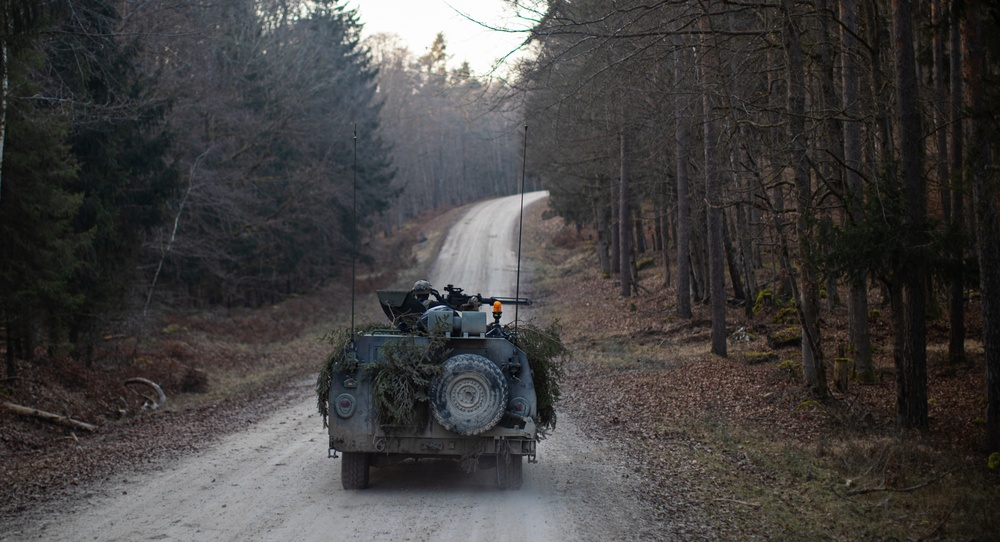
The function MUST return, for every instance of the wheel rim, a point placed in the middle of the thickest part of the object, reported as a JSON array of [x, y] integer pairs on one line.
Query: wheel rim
[[470, 395]]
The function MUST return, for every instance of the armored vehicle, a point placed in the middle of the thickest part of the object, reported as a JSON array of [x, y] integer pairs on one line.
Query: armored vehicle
[[477, 404]]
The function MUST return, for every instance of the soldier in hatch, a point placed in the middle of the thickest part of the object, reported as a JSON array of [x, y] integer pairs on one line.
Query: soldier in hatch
[[422, 291]]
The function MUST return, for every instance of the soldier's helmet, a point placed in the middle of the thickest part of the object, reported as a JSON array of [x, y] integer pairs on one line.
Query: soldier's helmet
[[422, 287]]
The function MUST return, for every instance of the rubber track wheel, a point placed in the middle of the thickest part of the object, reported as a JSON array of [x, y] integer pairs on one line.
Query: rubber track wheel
[[469, 396], [510, 475], [354, 470]]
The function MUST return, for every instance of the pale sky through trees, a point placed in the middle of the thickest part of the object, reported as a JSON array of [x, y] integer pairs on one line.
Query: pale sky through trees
[[418, 21]]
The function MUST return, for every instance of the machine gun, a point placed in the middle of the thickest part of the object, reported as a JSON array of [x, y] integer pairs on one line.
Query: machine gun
[[456, 299]]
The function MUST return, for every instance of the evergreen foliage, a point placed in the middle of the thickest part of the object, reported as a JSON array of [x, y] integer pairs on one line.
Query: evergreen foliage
[[545, 351], [38, 249]]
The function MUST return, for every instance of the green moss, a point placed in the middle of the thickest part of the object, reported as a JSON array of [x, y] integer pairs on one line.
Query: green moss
[[787, 315], [753, 358], [763, 297], [789, 336]]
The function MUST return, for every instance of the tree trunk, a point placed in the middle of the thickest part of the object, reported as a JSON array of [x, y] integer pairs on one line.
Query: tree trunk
[[9, 354], [857, 307], [832, 132], [65, 421], [808, 302], [956, 293], [683, 203], [615, 237], [984, 197], [776, 100], [912, 397], [640, 234], [735, 276], [601, 213], [4, 88], [625, 220], [713, 196]]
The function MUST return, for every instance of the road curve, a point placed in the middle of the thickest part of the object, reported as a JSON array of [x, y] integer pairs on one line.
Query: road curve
[[480, 252], [273, 480]]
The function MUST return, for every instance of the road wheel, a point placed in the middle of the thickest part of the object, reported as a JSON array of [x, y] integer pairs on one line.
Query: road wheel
[[469, 396], [509, 474], [354, 470]]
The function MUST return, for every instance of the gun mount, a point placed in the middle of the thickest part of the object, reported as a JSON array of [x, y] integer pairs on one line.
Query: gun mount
[[406, 310]]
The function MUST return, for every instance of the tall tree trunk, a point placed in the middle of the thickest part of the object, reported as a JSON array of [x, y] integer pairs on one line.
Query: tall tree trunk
[[683, 201], [601, 213], [4, 87], [832, 132], [984, 197], [640, 233], [808, 299], [747, 261], [956, 293], [911, 392], [713, 196], [956, 342], [624, 214], [776, 101], [614, 233], [735, 276], [860, 334], [9, 354]]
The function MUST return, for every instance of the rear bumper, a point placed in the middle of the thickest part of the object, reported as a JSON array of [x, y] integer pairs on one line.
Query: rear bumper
[[438, 442]]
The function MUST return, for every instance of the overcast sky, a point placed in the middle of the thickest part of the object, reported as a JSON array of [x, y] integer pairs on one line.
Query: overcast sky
[[418, 21]]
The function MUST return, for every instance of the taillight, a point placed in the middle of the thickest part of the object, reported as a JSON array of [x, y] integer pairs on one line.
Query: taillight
[[519, 406], [344, 405]]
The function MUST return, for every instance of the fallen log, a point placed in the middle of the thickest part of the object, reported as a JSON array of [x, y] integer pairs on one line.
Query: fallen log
[[161, 398], [48, 416]]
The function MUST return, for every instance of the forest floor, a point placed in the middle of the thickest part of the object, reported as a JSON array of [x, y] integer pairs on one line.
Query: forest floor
[[758, 457]]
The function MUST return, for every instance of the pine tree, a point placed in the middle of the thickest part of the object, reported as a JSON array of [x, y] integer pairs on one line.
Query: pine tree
[[37, 206], [119, 143]]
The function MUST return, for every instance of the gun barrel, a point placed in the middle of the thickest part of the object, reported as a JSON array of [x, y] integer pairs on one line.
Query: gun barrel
[[510, 300]]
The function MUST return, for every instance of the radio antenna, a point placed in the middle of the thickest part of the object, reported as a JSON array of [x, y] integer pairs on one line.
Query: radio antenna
[[354, 230], [520, 231]]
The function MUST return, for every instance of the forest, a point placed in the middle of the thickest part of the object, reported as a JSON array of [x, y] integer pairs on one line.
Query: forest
[[803, 154], [195, 154], [806, 154]]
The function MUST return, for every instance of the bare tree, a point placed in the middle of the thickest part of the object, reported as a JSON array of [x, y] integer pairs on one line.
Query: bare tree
[[911, 363], [708, 64], [860, 335], [985, 199], [808, 298]]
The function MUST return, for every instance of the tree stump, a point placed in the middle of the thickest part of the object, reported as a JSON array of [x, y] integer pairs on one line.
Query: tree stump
[[841, 373]]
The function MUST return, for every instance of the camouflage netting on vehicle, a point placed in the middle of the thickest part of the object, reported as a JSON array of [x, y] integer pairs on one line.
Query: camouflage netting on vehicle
[[401, 376], [545, 351], [337, 360]]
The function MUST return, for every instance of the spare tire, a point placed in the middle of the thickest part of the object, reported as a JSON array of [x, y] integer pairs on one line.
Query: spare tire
[[469, 396]]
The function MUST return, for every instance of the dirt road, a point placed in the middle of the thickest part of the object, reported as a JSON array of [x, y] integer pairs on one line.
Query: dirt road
[[273, 481]]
